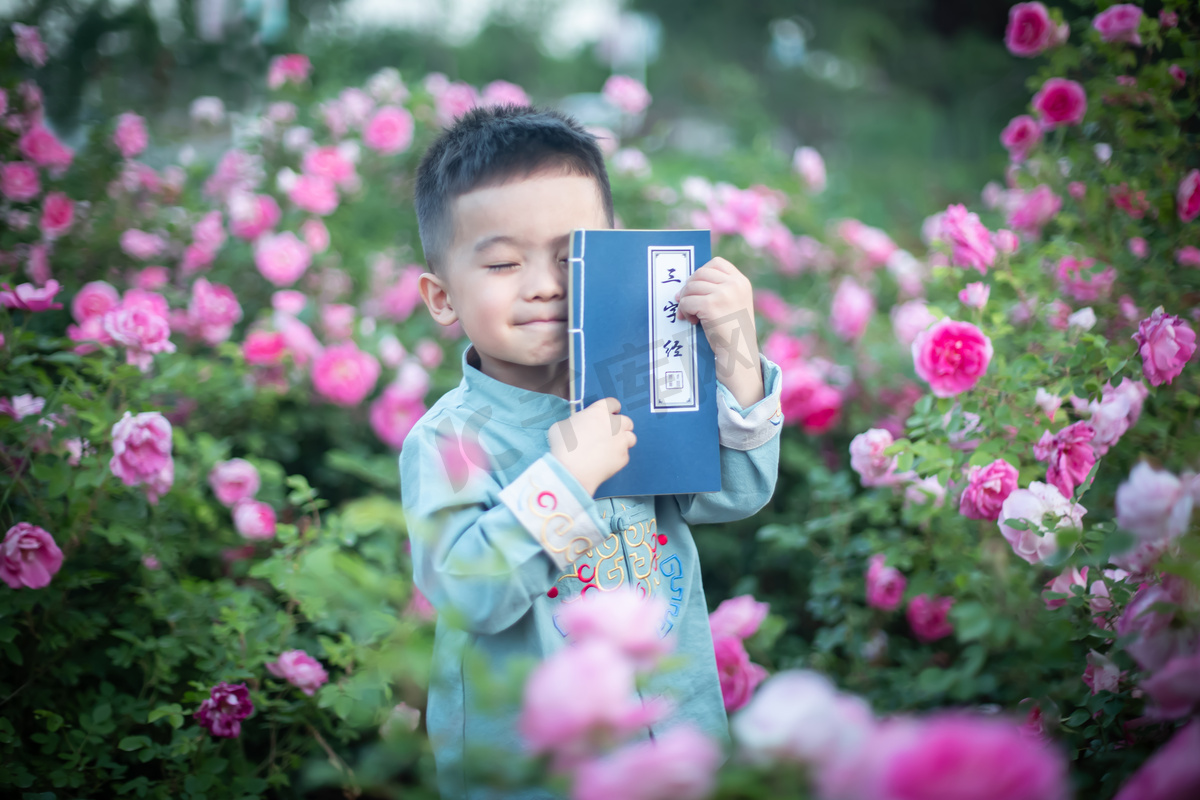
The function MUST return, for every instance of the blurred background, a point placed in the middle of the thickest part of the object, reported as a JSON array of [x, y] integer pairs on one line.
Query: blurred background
[[896, 94]]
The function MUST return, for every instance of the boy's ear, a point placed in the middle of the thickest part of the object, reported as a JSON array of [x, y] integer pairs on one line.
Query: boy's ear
[[437, 298]]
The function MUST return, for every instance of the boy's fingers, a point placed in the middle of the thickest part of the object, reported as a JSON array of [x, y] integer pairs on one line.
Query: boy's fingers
[[610, 404]]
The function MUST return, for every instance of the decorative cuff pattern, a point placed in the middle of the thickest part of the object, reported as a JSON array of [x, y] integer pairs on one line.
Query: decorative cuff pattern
[[746, 429], [552, 513]]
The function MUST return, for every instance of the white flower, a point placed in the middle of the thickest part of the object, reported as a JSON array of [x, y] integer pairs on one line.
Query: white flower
[[1034, 505], [1084, 319]]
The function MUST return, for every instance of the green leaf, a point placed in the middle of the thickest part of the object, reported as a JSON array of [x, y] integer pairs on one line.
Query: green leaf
[[130, 743], [971, 621], [101, 713]]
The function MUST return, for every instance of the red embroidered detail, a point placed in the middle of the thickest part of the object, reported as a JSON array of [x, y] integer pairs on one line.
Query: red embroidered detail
[[662, 538], [587, 578], [552, 593], [552, 503]]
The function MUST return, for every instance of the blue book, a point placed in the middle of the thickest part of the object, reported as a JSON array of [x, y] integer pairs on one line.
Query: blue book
[[627, 342]]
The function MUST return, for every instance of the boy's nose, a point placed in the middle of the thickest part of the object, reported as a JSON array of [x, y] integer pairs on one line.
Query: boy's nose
[[548, 281]]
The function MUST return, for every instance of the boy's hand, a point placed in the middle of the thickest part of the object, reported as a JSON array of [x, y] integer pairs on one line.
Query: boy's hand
[[593, 444], [721, 299]]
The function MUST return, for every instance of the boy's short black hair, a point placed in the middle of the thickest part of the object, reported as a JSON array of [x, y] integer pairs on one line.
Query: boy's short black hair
[[487, 146]]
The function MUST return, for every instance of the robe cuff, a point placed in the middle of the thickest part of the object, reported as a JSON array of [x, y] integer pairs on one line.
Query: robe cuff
[[550, 504], [748, 428]]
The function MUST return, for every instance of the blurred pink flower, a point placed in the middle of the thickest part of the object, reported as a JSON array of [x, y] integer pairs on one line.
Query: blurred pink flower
[[1156, 614], [1020, 136], [974, 295], [1174, 690], [27, 297], [29, 557], [142, 452], [141, 328], [151, 279], [929, 617], [1188, 256], [394, 413], [909, 319], [58, 214], [281, 257], [345, 375], [213, 311], [851, 309], [680, 764], [429, 353], [875, 245], [1178, 73], [1155, 504], [455, 100], [1033, 210], [867, 458], [130, 135], [1068, 455], [1172, 773], [298, 338], [951, 356], [250, 216], [43, 148], [263, 348], [738, 675], [1060, 102], [626, 93], [30, 47], [1071, 576], [1030, 30], [19, 181], [1138, 247], [503, 93], [1101, 674], [808, 164], [254, 520], [233, 480], [289, 301], [1166, 343], [300, 670], [1077, 189], [1037, 542], [222, 712], [970, 241], [314, 194], [329, 162], [22, 405], [1119, 23], [293, 68], [987, 489], [1187, 196], [885, 585], [738, 616], [141, 245], [390, 130], [337, 320], [622, 618]]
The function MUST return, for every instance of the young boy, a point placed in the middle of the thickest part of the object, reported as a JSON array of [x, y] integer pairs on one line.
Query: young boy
[[497, 478]]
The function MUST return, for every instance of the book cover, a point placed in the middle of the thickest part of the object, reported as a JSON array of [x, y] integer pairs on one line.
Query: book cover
[[627, 343]]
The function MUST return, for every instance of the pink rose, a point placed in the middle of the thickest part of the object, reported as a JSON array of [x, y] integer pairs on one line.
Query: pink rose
[[626, 93], [1154, 504], [974, 295], [345, 375], [233, 480], [213, 311], [1020, 136], [281, 257], [1166, 343], [30, 47], [1138, 247], [503, 93], [1168, 19], [400, 299], [1116, 413], [923, 491], [95, 299], [1155, 616], [1030, 30], [622, 618], [885, 585], [289, 301], [130, 135], [909, 319], [27, 297], [1060, 102], [1069, 456], [314, 194], [1174, 688], [1172, 773], [394, 413], [867, 457], [455, 100], [329, 162], [875, 245], [22, 405], [300, 670], [987, 489], [970, 241], [250, 216], [298, 338], [1071, 576], [739, 676], [337, 320], [224, 709], [851, 309], [141, 245], [142, 452], [1077, 189], [808, 164], [1033, 209], [263, 347], [152, 279], [29, 557], [19, 181], [929, 617], [293, 68], [807, 400], [738, 617], [1188, 256], [141, 329], [1187, 197], [44, 149], [58, 213], [1119, 23], [1178, 73], [1037, 542], [680, 764], [951, 356], [254, 520]]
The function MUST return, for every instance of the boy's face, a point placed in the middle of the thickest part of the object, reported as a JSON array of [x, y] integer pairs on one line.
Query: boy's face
[[504, 275]]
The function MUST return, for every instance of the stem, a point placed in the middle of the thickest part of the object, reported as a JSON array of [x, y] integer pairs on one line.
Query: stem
[[353, 791]]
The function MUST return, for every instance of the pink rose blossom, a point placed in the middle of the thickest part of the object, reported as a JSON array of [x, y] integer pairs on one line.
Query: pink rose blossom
[[1154, 614], [300, 670], [885, 585], [94, 300], [43, 148], [142, 329], [970, 241], [1178, 73], [337, 320], [1188, 256], [808, 164], [1138, 247], [680, 764], [254, 520], [1069, 456], [141, 245], [1102, 673], [293, 68], [152, 278], [1154, 504], [1032, 505], [22, 405], [314, 194], [739, 676], [875, 245], [329, 162], [289, 301], [1020, 136], [429, 353], [19, 181], [1187, 197], [224, 709], [987, 489], [503, 93], [1006, 241], [345, 375], [909, 319], [250, 216], [951, 356], [298, 338], [1174, 690], [27, 297], [622, 618], [974, 295], [626, 93], [394, 413], [929, 617], [867, 457], [1119, 23], [457, 99], [1172, 773], [1071, 576], [1168, 19], [1033, 209], [851, 309], [213, 311], [29, 557], [1030, 30], [263, 348], [738, 616], [401, 298], [401, 717], [1166, 343], [233, 480], [281, 258], [130, 135], [30, 47], [142, 452], [58, 214], [808, 400], [315, 234], [1060, 102]]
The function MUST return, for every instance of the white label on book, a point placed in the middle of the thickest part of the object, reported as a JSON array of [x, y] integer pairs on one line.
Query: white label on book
[[672, 340]]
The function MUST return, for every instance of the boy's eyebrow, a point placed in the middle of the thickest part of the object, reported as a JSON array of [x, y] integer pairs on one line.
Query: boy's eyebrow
[[484, 244]]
